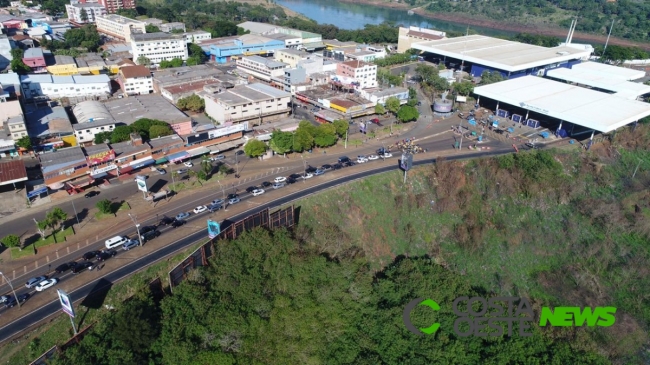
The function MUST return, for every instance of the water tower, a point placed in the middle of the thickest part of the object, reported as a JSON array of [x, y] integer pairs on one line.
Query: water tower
[[443, 106]]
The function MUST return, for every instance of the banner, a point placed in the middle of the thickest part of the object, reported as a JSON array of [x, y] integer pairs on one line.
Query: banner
[[142, 183], [213, 229], [66, 303], [98, 158]]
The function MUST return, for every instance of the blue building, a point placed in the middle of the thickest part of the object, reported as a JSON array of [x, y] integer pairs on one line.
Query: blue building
[[222, 50], [476, 54]]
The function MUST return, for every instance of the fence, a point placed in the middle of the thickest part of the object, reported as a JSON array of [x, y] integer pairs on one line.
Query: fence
[[281, 218], [42, 360]]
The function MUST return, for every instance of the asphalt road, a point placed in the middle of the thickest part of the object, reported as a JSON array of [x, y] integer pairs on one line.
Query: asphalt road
[[23, 323]]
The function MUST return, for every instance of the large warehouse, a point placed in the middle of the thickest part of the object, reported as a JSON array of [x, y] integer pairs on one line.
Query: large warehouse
[[478, 53]]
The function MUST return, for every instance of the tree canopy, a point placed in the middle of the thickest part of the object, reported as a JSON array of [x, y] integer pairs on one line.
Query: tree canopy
[[193, 103], [407, 113], [255, 148]]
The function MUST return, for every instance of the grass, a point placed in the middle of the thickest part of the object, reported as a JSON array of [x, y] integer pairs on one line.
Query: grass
[[115, 208], [16, 253]]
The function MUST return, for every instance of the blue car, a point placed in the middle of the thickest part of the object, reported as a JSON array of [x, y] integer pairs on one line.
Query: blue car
[[182, 216], [319, 172]]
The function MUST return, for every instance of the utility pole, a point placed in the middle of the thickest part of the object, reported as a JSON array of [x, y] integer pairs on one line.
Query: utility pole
[[304, 165], [346, 138], [75, 212], [637, 168], [137, 228], [223, 192], [607, 41], [39, 229], [12, 288], [237, 165], [171, 171]]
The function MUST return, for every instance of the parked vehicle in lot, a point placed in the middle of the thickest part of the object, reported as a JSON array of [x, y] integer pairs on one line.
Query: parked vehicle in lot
[[278, 185], [217, 202], [234, 200], [349, 163], [106, 255], [337, 166], [146, 229], [373, 157], [319, 172], [376, 121], [344, 159], [214, 207], [200, 209], [177, 223], [257, 192], [65, 267], [149, 236], [90, 255], [46, 284], [266, 184], [181, 171], [12, 302], [161, 171], [280, 179], [232, 196], [250, 189], [387, 155], [115, 242], [33, 281], [165, 221], [381, 151], [130, 244], [294, 176], [86, 265], [188, 163], [183, 215]]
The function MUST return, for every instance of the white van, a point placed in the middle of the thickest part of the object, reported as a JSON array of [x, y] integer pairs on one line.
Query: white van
[[115, 242]]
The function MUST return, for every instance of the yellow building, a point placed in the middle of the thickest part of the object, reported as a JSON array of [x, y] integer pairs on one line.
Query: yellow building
[[333, 44], [91, 63], [64, 66]]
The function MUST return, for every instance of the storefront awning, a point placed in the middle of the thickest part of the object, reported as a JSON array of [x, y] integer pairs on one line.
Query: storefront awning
[[100, 175], [142, 162], [126, 170], [178, 156], [161, 160], [225, 146], [198, 151], [81, 182]]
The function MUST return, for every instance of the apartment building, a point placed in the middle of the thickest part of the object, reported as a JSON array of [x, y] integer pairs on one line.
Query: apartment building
[[168, 27], [92, 10], [262, 68], [119, 27], [290, 56], [159, 46], [253, 102], [113, 6], [135, 80], [197, 36], [364, 73], [64, 86]]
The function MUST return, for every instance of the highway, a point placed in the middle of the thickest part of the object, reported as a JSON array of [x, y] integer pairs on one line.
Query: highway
[[35, 316]]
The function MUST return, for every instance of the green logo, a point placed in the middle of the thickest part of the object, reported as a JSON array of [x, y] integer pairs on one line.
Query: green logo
[[406, 316], [576, 316]]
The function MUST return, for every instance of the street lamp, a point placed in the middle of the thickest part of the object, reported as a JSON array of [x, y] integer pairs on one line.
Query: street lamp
[[137, 228], [237, 165], [304, 165], [223, 192], [75, 213], [12, 288]]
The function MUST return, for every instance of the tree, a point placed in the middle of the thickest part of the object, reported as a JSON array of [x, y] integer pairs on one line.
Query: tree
[[255, 148], [11, 240], [191, 174], [195, 51], [464, 87], [57, 216], [488, 77], [19, 67], [206, 165], [142, 60], [379, 109], [193, 103], [201, 176], [281, 142], [84, 15], [193, 61], [104, 206], [392, 104], [17, 53], [407, 113], [150, 28], [121, 133], [325, 135], [341, 126], [160, 131], [102, 137], [24, 142], [42, 226]]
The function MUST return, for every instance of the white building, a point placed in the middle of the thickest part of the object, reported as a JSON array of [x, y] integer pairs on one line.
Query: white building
[[65, 86], [291, 56], [92, 10], [253, 102], [168, 27], [410, 35], [197, 36], [364, 73], [380, 96], [365, 53], [119, 27], [92, 118], [262, 68], [135, 80], [5, 51], [159, 46]]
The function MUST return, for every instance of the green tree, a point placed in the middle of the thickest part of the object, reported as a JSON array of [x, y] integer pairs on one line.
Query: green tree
[[193, 61], [160, 131], [379, 109], [84, 15], [142, 60], [488, 77], [341, 126], [57, 216], [17, 53], [325, 135], [104, 206], [121, 133], [281, 142], [193, 103], [255, 148], [24, 142], [407, 113], [102, 137], [11, 240], [19, 67], [464, 87], [150, 28], [393, 105], [206, 165], [42, 226], [201, 176], [195, 51]]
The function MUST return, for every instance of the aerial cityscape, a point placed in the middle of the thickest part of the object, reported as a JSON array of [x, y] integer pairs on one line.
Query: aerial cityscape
[[341, 182]]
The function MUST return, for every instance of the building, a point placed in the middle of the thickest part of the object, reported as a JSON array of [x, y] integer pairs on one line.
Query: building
[[63, 166], [410, 35], [197, 36], [128, 110], [10, 84], [49, 127], [5, 51], [16, 127], [113, 6], [90, 64], [91, 10], [119, 27], [380, 96], [168, 27], [159, 47], [35, 59], [101, 160], [365, 53], [266, 69], [63, 66], [92, 119], [245, 45], [11, 118], [184, 75], [135, 80], [153, 21], [290, 56], [175, 92], [12, 172], [292, 38], [334, 44], [253, 102], [259, 28], [364, 73], [65, 86]]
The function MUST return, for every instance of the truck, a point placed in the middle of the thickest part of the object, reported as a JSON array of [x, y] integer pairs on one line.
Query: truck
[[157, 196]]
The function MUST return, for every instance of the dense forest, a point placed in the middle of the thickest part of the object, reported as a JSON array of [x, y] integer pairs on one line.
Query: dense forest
[[560, 227], [631, 17]]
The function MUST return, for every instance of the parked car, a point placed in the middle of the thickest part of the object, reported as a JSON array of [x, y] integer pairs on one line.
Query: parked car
[[91, 255], [85, 265], [177, 223], [232, 196], [349, 163], [266, 184], [106, 255], [257, 192], [387, 155], [146, 229], [361, 159], [376, 121], [65, 267], [130, 244], [326, 167], [310, 169], [280, 179], [294, 176], [188, 164], [291, 180], [181, 171], [344, 159], [4, 298], [46, 284], [165, 221], [149, 236], [90, 194], [12, 302], [373, 157], [217, 202], [239, 153], [200, 209], [278, 185], [161, 171], [217, 158], [319, 172], [182, 215], [33, 281], [307, 176], [214, 207], [381, 151], [337, 166], [250, 189], [234, 200]]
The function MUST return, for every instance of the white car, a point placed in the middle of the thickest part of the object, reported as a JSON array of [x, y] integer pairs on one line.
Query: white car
[[387, 155], [257, 192], [361, 159], [33, 281], [45, 284], [188, 164], [200, 209], [307, 176], [373, 157], [280, 179]]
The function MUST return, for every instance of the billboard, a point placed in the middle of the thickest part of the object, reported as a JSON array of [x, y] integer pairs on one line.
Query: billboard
[[101, 157], [213, 229], [406, 162], [142, 183], [66, 303]]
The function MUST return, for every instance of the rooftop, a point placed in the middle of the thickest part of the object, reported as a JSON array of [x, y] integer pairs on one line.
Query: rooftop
[[258, 28], [62, 158], [152, 106], [268, 62], [33, 52], [46, 121], [293, 51], [602, 81], [190, 86], [588, 108], [609, 71], [154, 21], [429, 36], [356, 64], [12, 172], [178, 75], [90, 60], [131, 72], [95, 149], [64, 60], [158, 36], [243, 94], [338, 44], [90, 111], [165, 141], [87, 5], [94, 124], [389, 92], [280, 36], [120, 19], [9, 81], [127, 148], [498, 53]]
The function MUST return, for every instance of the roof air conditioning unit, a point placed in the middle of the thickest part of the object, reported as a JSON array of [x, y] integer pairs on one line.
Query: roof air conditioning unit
[[563, 53]]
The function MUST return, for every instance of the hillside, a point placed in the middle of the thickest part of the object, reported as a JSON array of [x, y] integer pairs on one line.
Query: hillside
[[563, 228]]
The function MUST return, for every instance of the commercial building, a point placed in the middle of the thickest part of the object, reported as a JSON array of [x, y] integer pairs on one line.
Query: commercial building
[[65, 86], [35, 59], [12, 172], [158, 47], [5, 51], [63, 66], [262, 68], [91, 10], [128, 110], [49, 127], [410, 35], [168, 27], [365, 53], [113, 6], [175, 92], [222, 50], [101, 160], [66, 165], [197, 36], [253, 102], [92, 119], [16, 127], [153, 21], [335, 44], [291, 56], [119, 27], [477, 54], [380, 96], [10, 83], [364, 74], [90, 64], [292, 38], [135, 80]]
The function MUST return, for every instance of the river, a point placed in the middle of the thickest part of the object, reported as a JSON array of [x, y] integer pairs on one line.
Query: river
[[355, 16]]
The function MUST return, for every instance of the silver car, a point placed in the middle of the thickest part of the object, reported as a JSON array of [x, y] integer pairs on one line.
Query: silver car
[[130, 244], [33, 281]]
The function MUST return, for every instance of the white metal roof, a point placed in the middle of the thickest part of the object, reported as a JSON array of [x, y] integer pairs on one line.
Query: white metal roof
[[588, 108], [611, 71], [498, 53], [603, 81]]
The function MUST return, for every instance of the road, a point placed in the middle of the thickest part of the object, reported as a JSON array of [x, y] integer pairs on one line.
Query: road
[[10, 330]]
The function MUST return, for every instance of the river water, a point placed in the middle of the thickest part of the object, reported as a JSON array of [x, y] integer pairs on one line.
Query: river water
[[355, 16]]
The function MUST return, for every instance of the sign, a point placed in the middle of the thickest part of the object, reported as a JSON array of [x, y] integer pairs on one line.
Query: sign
[[102, 170], [533, 108], [66, 303], [224, 131], [142, 183], [36, 192], [98, 158], [406, 162], [213, 229]]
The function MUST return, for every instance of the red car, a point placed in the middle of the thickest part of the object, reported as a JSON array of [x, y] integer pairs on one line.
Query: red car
[[376, 121]]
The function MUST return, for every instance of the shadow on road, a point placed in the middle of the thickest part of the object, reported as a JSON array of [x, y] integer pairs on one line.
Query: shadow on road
[[158, 185]]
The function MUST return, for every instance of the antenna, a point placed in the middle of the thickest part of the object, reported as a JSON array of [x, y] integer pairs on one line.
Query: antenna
[[467, 31], [573, 31], [607, 41], [569, 34]]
